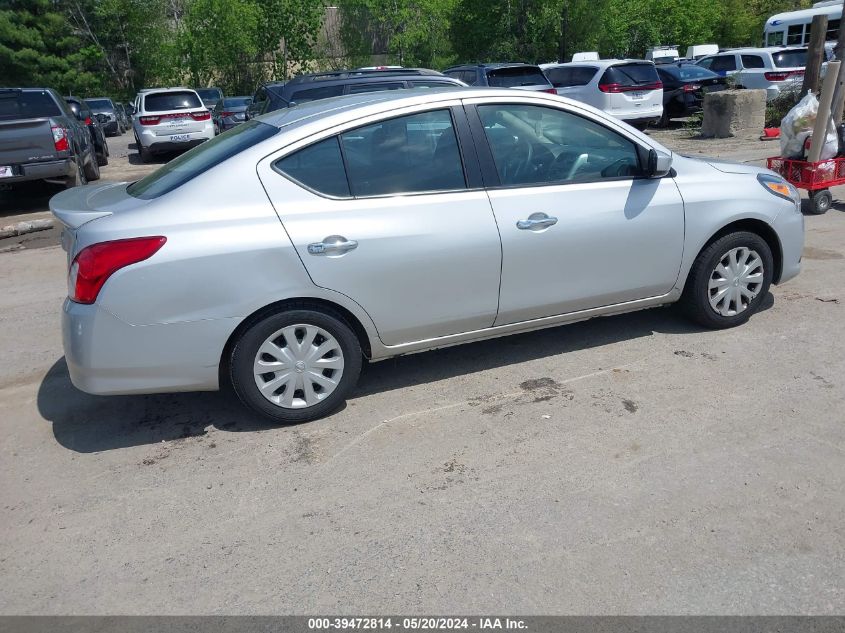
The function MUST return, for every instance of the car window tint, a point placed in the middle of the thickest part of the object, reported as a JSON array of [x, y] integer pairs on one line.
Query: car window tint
[[515, 76], [723, 63], [16, 104], [832, 33], [318, 167], [539, 145], [794, 58], [690, 72], [100, 104], [200, 159], [753, 61], [565, 77], [313, 94], [630, 75], [408, 154], [377, 87], [795, 34], [177, 100]]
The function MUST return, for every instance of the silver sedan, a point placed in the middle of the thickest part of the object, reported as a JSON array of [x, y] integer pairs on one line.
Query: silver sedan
[[280, 255]]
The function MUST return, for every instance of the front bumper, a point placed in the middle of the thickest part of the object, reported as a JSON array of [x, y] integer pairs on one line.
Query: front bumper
[[105, 355], [789, 226], [54, 169]]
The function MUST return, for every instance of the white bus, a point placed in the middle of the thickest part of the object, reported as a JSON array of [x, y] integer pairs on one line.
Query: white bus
[[793, 27]]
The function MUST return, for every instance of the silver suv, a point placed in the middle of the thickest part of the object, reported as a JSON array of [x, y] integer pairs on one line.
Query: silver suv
[[279, 255]]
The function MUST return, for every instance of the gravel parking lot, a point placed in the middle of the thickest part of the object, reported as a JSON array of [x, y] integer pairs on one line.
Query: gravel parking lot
[[628, 465]]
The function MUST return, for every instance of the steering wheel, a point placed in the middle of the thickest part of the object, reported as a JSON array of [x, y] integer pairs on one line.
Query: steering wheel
[[617, 169], [522, 167], [566, 166]]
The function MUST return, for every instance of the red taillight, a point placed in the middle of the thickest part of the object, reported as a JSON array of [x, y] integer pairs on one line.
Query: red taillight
[[616, 88], [96, 263], [691, 87], [201, 116], [149, 120], [551, 91], [783, 76], [60, 138], [88, 120], [226, 114]]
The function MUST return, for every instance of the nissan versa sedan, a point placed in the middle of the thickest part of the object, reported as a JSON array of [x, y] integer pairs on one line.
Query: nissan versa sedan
[[280, 255]]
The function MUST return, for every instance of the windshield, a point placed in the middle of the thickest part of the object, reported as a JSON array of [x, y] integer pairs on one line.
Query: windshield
[[163, 101], [515, 76], [794, 58], [236, 102], [200, 159], [210, 94], [15, 104], [99, 104]]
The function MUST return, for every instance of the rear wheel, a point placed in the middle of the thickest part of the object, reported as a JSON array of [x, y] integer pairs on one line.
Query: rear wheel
[[728, 280], [92, 167], [296, 365], [77, 178]]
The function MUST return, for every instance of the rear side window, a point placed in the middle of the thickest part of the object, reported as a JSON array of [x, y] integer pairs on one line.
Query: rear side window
[[790, 59], [752, 61], [565, 77], [313, 94], [164, 101], [368, 87], [27, 104], [200, 159], [408, 154], [515, 76], [318, 167], [630, 75]]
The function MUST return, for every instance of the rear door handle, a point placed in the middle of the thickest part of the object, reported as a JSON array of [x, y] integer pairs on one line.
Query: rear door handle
[[332, 245], [536, 221]]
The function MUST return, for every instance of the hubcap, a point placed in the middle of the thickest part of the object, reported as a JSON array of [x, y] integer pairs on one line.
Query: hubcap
[[298, 366], [735, 281]]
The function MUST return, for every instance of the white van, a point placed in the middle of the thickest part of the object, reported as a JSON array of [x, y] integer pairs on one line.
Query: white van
[[792, 28], [698, 51]]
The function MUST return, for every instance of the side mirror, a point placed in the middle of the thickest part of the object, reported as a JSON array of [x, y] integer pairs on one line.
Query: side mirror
[[659, 164], [102, 118]]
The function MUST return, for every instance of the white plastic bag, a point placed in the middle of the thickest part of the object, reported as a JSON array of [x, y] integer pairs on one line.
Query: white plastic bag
[[797, 126]]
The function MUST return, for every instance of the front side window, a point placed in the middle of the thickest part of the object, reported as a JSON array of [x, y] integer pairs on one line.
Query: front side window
[[408, 154], [538, 145], [200, 159]]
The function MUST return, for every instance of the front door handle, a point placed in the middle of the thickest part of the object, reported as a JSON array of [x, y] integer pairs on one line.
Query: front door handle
[[332, 245], [536, 221]]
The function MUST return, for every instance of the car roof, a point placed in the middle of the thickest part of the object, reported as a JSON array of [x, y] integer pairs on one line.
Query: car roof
[[492, 65], [174, 89], [759, 49]]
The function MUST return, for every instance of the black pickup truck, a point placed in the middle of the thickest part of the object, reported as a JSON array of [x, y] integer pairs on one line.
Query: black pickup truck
[[42, 139]]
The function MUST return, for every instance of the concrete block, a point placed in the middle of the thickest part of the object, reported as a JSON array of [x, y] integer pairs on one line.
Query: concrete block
[[734, 113]]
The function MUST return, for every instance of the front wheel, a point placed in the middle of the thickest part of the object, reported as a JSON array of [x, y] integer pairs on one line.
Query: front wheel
[[728, 281], [295, 366]]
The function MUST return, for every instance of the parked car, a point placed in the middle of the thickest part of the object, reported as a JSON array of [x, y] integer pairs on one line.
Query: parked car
[[629, 89], [104, 105], [774, 70], [229, 112], [402, 222], [95, 128], [210, 96], [41, 139], [170, 119], [304, 88], [684, 87], [129, 111], [502, 75]]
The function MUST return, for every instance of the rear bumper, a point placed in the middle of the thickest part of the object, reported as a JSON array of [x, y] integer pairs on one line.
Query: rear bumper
[[155, 143], [49, 170], [106, 355], [168, 146]]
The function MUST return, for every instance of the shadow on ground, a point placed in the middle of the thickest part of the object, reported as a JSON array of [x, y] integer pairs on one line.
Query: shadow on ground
[[28, 197], [86, 424], [134, 157]]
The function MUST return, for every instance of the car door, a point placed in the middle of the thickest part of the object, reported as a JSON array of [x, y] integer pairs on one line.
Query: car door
[[391, 213], [580, 227]]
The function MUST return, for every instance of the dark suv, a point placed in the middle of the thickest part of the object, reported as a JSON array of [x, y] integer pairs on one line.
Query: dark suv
[[502, 75], [275, 95]]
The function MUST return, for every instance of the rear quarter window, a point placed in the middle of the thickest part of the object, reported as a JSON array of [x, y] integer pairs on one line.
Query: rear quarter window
[[164, 101], [200, 159]]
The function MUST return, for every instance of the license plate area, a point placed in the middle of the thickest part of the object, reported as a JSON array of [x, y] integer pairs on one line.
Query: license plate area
[[178, 138]]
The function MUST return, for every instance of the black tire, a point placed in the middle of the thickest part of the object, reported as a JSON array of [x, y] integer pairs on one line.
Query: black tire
[[695, 301], [103, 159], [243, 355], [78, 178], [145, 154], [92, 167], [820, 201]]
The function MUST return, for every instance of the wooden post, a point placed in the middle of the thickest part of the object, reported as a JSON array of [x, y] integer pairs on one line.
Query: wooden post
[[839, 95], [823, 116], [815, 56]]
